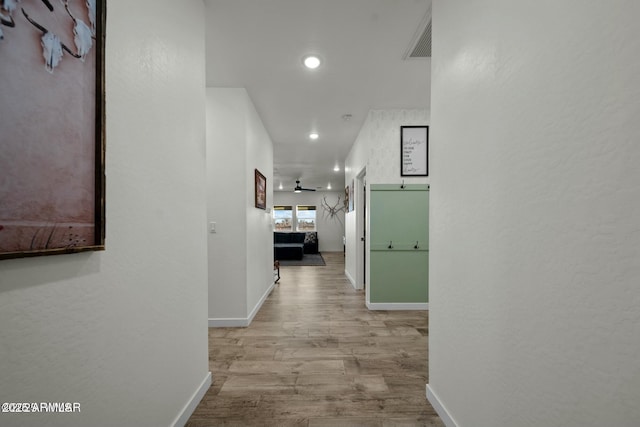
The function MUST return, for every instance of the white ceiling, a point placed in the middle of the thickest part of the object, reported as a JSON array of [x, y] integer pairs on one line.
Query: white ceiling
[[259, 45]]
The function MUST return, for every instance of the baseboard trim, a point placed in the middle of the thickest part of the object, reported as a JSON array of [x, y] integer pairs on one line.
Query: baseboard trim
[[444, 415], [398, 305], [240, 322], [351, 279], [192, 404], [259, 304], [228, 322]]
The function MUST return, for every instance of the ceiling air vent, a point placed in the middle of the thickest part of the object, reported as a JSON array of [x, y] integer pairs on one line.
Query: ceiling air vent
[[421, 43]]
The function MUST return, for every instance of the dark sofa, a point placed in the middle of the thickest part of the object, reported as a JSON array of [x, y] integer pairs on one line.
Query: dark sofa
[[294, 245]]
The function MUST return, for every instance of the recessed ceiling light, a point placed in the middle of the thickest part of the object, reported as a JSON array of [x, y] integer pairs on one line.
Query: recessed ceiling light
[[311, 62], [336, 169], [314, 136]]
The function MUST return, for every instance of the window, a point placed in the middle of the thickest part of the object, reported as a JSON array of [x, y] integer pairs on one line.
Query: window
[[283, 218], [306, 218]]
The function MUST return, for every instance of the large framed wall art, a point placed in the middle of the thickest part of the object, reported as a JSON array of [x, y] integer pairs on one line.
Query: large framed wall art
[[52, 124]]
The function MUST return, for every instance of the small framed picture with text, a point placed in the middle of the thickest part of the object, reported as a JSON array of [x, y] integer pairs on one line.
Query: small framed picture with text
[[414, 151]]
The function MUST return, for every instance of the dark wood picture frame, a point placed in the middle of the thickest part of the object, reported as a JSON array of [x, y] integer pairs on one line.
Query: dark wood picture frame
[[347, 198], [260, 190], [53, 202], [414, 150]]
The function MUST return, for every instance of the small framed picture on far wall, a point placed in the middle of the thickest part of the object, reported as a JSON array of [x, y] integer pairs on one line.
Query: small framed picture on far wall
[[261, 190], [346, 198]]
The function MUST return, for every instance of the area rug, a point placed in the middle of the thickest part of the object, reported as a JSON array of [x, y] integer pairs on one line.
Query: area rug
[[307, 259]]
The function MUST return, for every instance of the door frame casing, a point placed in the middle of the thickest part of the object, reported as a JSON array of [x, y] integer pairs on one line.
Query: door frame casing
[[361, 250]]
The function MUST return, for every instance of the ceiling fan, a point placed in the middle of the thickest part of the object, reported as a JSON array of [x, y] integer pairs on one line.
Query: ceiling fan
[[300, 189]]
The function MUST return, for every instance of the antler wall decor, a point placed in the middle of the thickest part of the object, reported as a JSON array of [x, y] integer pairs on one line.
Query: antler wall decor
[[332, 211], [52, 47]]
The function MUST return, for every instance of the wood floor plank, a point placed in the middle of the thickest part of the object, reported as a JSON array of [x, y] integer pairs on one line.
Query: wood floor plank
[[314, 356], [342, 422], [242, 367]]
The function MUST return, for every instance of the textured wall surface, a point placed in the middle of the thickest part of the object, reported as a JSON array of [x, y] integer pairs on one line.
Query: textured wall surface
[[124, 332], [378, 146], [259, 241], [226, 152], [535, 237], [241, 250]]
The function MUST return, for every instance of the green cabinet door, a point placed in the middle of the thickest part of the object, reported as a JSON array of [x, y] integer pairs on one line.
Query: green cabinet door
[[399, 243]]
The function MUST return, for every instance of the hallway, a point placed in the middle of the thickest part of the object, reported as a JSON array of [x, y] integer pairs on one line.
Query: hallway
[[315, 356]]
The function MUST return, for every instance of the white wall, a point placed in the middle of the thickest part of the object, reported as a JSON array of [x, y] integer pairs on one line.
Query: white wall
[[330, 231], [227, 202], [258, 221], [535, 237], [241, 250], [377, 148], [124, 332], [352, 241]]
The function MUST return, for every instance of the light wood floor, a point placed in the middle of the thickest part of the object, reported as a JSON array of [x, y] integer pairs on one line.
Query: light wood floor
[[315, 356]]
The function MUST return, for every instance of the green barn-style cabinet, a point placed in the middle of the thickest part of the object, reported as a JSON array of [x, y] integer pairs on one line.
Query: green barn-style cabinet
[[399, 236]]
